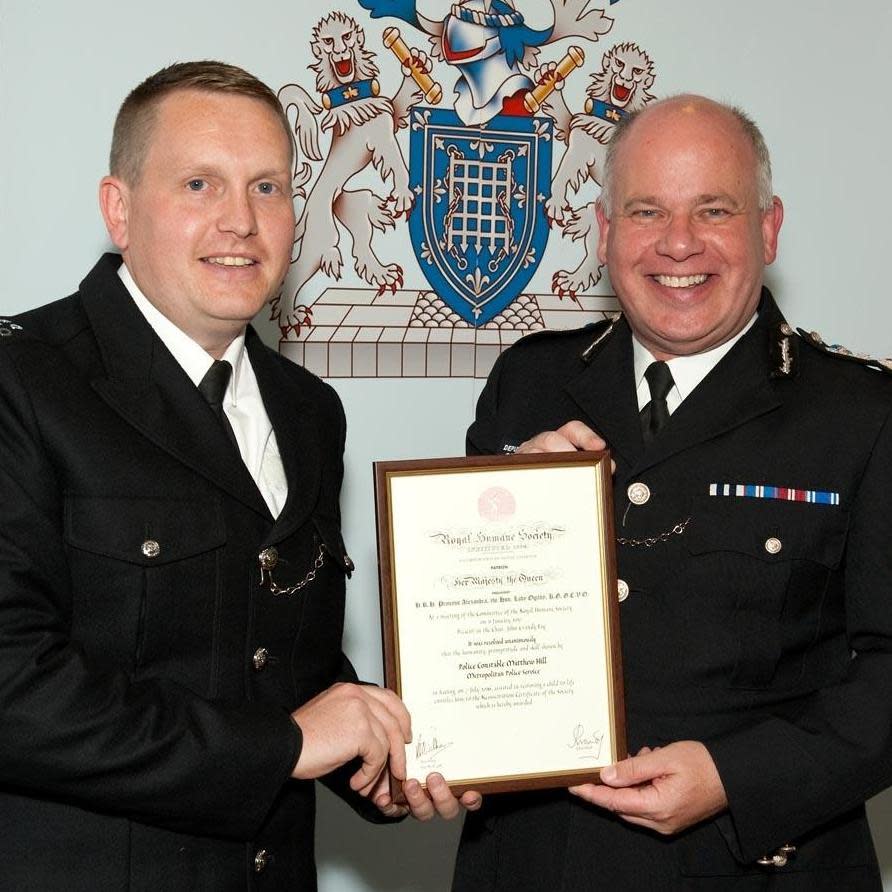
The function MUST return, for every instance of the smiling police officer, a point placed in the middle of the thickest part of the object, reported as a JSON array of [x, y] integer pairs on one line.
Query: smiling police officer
[[752, 477]]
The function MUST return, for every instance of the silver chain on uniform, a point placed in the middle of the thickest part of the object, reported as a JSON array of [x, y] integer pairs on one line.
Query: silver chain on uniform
[[650, 541], [266, 574]]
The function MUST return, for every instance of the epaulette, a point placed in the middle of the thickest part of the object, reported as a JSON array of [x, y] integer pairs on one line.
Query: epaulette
[[815, 340], [783, 349], [601, 331], [8, 328], [590, 329]]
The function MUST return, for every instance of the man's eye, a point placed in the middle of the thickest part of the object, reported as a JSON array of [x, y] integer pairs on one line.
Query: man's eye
[[196, 185], [267, 188], [715, 213], [645, 214]]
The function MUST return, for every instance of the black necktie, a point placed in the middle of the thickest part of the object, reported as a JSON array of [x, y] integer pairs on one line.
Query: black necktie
[[213, 387], [656, 413]]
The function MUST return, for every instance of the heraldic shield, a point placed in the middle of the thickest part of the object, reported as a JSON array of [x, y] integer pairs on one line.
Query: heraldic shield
[[478, 225]]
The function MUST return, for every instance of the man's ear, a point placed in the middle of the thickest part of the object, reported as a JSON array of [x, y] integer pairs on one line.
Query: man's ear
[[114, 202], [771, 224]]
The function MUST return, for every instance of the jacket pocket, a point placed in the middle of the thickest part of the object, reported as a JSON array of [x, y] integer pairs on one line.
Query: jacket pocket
[[145, 580], [762, 567]]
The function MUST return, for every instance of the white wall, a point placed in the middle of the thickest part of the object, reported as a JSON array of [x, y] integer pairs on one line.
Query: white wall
[[813, 75]]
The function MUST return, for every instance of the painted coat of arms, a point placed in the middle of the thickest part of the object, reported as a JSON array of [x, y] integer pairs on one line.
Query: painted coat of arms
[[479, 193], [479, 226]]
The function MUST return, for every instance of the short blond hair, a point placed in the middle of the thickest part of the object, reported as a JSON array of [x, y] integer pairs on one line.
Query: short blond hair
[[136, 117]]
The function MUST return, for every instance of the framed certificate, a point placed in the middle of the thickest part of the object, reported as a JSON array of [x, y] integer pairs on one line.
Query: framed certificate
[[500, 617]]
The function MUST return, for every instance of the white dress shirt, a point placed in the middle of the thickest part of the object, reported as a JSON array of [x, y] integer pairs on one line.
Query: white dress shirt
[[242, 401], [687, 371]]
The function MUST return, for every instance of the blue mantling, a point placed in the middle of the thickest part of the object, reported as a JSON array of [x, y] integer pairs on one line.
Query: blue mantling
[[405, 10]]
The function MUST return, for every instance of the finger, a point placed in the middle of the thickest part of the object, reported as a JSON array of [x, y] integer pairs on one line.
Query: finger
[[373, 753], [582, 436], [636, 770], [444, 802], [583, 791], [471, 800], [548, 441], [389, 732], [394, 811], [392, 713], [419, 804], [632, 801]]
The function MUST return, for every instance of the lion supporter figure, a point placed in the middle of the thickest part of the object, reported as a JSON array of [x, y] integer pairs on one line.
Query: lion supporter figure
[[362, 125]]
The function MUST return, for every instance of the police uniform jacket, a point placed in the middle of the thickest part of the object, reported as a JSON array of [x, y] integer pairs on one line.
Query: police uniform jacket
[[147, 672], [760, 626]]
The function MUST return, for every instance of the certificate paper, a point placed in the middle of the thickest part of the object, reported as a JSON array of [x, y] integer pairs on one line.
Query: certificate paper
[[500, 617]]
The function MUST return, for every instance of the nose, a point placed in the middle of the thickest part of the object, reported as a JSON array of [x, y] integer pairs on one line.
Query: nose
[[679, 239], [237, 214]]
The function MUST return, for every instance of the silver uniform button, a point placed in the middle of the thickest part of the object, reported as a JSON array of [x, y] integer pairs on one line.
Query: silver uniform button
[[150, 548], [638, 493], [773, 545], [622, 588], [348, 563], [261, 860], [268, 558], [260, 658]]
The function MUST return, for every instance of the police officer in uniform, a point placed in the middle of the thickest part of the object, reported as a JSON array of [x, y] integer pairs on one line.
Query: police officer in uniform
[[171, 565], [753, 472]]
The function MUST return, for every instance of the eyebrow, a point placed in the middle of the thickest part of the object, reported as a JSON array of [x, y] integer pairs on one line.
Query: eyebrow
[[704, 198]]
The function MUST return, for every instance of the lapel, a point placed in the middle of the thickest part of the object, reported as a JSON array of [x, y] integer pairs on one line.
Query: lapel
[[146, 386], [296, 422], [735, 391], [606, 394]]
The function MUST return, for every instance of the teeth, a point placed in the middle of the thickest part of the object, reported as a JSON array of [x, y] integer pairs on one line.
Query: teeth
[[230, 261], [681, 281]]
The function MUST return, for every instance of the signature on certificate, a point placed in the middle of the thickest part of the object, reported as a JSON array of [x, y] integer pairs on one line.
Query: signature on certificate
[[586, 742], [426, 748]]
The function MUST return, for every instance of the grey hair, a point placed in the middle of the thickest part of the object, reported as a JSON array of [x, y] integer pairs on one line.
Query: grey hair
[[747, 125]]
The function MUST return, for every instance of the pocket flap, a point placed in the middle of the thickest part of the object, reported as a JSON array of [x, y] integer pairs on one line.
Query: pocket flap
[[143, 531], [768, 529]]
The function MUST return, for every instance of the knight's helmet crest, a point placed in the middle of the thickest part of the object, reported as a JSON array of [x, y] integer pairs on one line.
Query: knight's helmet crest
[[487, 13]]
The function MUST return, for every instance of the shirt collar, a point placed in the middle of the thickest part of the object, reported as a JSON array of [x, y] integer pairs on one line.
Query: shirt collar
[[687, 371], [192, 357]]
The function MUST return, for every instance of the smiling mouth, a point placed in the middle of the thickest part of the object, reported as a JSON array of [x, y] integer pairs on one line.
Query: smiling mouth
[[227, 260], [681, 281]]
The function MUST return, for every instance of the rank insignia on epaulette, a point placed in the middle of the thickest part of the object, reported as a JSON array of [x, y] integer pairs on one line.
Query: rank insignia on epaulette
[[7, 327], [784, 352], [608, 323], [813, 338]]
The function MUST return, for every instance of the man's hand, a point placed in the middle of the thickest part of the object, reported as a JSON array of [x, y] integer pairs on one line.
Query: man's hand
[[567, 438], [666, 789], [350, 720], [436, 801]]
